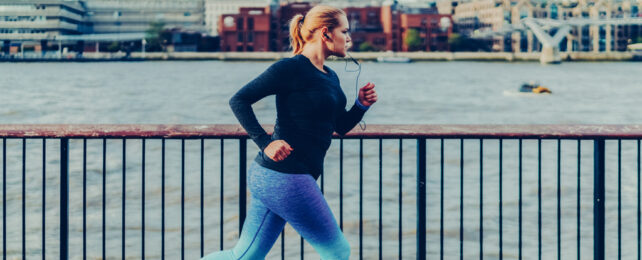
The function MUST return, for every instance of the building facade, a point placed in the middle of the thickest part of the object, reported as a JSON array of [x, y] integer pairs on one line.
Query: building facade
[[135, 16], [366, 28], [447, 6], [499, 14], [215, 8], [434, 30], [484, 15], [372, 28], [247, 31], [36, 23]]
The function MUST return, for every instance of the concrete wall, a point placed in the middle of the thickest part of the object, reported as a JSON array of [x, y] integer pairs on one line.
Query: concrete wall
[[372, 56]]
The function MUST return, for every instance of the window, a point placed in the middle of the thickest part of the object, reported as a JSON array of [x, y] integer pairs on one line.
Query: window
[[239, 48], [523, 13], [250, 48], [239, 24], [250, 36], [240, 37], [250, 23], [8, 8]]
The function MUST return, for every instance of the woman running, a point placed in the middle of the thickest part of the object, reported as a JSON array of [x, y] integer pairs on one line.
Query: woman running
[[310, 106]]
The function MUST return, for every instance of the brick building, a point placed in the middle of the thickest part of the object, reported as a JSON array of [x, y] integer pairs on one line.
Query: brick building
[[391, 21], [384, 28], [433, 29], [366, 26], [249, 30]]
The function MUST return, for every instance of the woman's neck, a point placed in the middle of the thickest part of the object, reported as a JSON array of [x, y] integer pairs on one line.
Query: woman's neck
[[315, 55]]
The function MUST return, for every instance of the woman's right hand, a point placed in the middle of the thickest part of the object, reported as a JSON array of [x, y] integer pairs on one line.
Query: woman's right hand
[[278, 150]]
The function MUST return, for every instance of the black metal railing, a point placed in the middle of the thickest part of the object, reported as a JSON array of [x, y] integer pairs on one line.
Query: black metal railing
[[482, 147]]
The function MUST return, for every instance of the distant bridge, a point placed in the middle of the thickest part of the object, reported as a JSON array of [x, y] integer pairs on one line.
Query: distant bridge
[[541, 28]]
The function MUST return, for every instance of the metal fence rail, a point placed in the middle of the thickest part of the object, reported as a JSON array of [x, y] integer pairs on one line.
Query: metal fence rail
[[430, 142]]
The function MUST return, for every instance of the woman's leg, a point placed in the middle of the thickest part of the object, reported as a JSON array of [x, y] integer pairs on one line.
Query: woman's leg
[[298, 199], [260, 230]]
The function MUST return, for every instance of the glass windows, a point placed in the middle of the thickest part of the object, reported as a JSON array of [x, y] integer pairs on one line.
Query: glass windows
[[554, 11], [14, 8], [239, 24]]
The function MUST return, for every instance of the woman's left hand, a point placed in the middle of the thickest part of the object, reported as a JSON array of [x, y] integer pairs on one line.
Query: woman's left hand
[[367, 94]]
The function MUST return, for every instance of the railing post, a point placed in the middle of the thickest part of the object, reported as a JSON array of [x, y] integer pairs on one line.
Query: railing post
[[421, 198], [64, 198], [242, 181], [598, 199]]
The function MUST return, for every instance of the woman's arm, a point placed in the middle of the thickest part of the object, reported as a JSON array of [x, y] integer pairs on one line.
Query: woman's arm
[[268, 83], [346, 120]]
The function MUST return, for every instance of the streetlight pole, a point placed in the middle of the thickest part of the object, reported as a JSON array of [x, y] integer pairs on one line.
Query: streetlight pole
[[143, 43]]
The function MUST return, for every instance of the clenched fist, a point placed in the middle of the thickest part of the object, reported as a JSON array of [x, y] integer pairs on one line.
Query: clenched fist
[[367, 94], [278, 150]]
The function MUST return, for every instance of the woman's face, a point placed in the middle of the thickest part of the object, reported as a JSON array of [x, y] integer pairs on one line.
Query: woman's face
[[341, 40]]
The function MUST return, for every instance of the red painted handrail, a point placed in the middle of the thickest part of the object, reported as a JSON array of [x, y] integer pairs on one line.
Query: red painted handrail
[[372, 131]]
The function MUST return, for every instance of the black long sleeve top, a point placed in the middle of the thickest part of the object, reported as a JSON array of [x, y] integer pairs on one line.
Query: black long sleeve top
[[310, 106]]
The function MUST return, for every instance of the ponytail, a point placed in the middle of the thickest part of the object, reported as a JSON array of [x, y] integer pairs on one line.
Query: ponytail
[[303, 27], [296, 40]]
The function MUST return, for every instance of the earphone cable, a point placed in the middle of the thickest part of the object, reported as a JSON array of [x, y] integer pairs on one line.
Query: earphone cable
[[362, 123]]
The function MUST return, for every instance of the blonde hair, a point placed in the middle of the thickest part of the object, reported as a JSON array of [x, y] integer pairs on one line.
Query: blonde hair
[[303, 27]]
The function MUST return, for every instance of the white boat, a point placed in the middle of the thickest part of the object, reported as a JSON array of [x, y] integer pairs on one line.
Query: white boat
[[637, 50], [393, 59]]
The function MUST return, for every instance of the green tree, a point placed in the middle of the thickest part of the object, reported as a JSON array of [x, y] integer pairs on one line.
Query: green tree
[[413, 40], [155, 36], [113, 47], [458, 42], [366, 46], [638, 40]]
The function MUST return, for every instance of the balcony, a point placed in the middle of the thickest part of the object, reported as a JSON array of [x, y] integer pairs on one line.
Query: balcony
[[48, 25]]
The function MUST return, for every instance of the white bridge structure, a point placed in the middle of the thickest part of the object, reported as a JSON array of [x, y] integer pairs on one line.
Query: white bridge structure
[[543, 28]]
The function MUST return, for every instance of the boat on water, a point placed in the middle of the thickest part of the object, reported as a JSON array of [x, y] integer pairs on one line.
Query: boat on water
[[534, 88], [393, 59], [637, 51]]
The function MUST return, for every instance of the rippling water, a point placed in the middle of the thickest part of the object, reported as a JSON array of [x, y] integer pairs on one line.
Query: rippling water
[[416, 93]]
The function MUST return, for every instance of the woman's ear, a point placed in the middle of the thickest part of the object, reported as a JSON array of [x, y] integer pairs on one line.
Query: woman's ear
[[324, 33]]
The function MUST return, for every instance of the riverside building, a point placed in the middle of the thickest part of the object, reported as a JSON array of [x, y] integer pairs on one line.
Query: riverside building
[[500, 14], [372, 28], [135, 16], [34, 25]]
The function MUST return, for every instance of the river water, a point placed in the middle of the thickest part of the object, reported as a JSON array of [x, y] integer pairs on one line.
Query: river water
[[416, 93]]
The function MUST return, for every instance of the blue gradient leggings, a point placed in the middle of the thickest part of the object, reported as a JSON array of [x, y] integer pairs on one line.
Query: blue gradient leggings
[[279, 197]]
